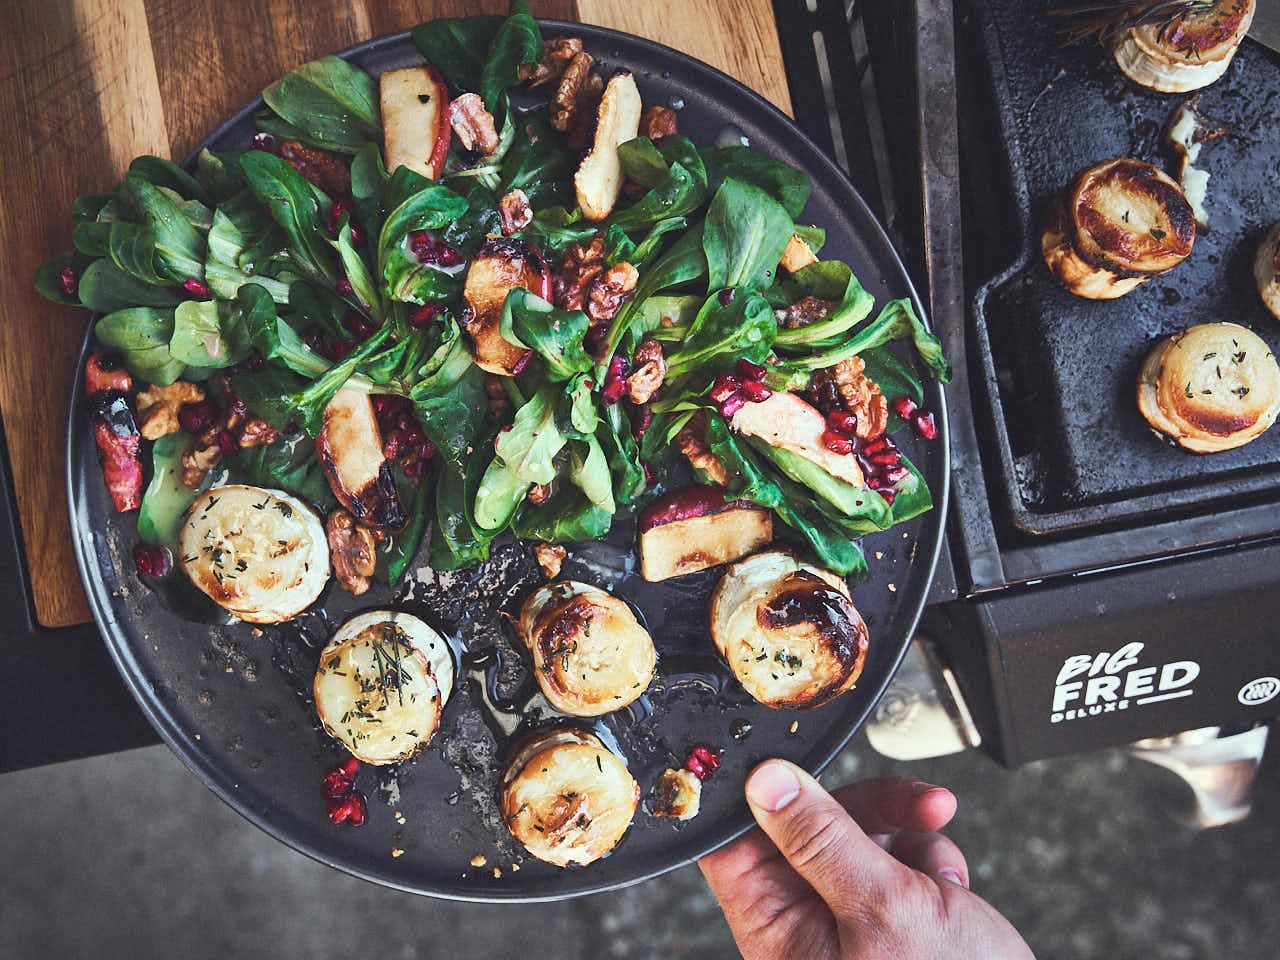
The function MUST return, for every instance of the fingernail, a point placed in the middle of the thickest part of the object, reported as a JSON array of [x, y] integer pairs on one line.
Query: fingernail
[[920, 788], [952, 875], [772, 786]]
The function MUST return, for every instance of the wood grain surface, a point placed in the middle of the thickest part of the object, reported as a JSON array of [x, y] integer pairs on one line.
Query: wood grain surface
[[89, 84]]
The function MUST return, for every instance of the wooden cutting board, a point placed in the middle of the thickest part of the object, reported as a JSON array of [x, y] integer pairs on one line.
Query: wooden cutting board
[[89, 84]]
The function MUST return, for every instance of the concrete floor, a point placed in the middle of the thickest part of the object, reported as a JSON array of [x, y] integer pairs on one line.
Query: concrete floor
[[130, 856]]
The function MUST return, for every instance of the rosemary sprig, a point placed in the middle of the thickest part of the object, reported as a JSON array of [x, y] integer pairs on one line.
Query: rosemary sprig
[[1106, 19], [385, 660]]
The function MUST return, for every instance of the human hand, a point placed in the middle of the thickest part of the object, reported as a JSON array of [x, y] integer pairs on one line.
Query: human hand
[[863, 873]]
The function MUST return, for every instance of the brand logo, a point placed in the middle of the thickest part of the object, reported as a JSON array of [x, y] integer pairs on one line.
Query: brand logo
[[1090, 685], [1257, 692]]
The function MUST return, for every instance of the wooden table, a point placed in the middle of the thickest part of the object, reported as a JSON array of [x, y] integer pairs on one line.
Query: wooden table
[[89, 84]]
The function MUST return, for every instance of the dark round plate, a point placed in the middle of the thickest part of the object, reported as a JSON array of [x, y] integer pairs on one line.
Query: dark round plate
[[233, 701]]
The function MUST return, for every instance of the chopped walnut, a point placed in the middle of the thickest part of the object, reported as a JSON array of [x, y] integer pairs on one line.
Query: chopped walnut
[[539, 494], [198, 462], [797, 255], [582, 263], [549, 557], [846, 385], [353, 549], [609, 289], [569, 100], [515, 211], [657, 122], [650, 367], [158, 407], [678, 795], [320, 167], [582, 130], [499, 402], [473, 124], [691, 440], [803, 312], [556, 54], [258, 433]]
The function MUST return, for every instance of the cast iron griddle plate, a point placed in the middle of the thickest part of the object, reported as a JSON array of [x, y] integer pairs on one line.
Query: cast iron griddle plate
[[235, 704], [1078, 451]]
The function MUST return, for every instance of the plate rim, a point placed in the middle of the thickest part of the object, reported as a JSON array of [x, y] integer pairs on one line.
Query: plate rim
[[188, 751]]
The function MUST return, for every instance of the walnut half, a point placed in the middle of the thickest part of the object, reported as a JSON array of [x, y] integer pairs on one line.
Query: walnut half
[[353, 550], [691, 440], [158, 407], [650, 369], [846, 385]]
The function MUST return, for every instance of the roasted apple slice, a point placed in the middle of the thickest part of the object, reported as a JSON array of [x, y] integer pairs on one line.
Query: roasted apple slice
[[599, 177], [789, 423], [499, 267], [415, 120], [350, 452], [697, 528]]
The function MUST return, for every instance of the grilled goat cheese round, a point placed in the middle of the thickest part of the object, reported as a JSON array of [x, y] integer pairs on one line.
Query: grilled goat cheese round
[[1212, 387], [1120, 223], [1187, 52], [788, 630], [589, 654], [381, 685], [260, 554], [567, 798], [1266, 270]]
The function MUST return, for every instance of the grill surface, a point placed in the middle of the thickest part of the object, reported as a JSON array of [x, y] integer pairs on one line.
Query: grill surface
[[1073, 451]]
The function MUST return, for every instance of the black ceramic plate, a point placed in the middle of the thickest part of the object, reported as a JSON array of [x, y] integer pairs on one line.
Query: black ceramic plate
[[233, 701]]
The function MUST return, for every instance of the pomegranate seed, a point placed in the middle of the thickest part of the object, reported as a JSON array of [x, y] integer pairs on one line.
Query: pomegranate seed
[[226, 443], [836, 442], [711, 758], [391, 446], [613, 390], [732, 405], [360, 326], [595, 335], [750, 371], [696, 767], [339, 810], [382, 402], [68, 281], [419, 317], [523, 362], [433, 251], [196, 288], [726, 385], [344, 288], [507, 427], [151, 559], [897, 474], [923, 422], [756, 391], [879, 445], [890, 458], [349, 766], [415, 436], [356, 809], [265, 142], [726, 296], [904, 407], [842, 421], [197, 417], [618, 366], [649, 476], [336, 785], [887, 496]]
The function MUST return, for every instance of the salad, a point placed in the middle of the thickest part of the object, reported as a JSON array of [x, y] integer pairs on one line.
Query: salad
[[492, 294]]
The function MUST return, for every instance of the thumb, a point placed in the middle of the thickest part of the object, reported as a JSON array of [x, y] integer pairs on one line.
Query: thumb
[[816, 835]]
